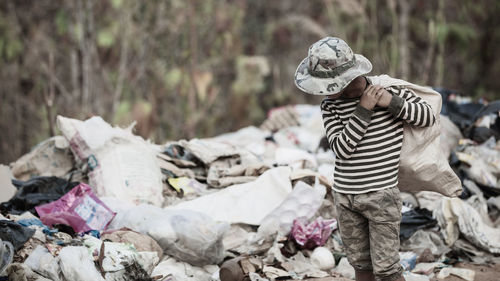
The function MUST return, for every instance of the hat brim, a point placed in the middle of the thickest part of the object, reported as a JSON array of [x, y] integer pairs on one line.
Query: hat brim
[[329, 86]]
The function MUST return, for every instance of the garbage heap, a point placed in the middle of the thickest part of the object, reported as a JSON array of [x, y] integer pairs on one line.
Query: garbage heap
[[100, 203]]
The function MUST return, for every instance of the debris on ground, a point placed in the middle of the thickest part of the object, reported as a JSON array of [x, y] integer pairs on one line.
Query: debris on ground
[[100, 203]]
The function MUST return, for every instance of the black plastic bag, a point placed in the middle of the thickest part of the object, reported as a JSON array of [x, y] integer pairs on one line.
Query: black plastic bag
[[35, 192], [15, 233], [414, 220]]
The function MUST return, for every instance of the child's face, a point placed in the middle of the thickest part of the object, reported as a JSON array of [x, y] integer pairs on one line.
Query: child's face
[[353, 90]]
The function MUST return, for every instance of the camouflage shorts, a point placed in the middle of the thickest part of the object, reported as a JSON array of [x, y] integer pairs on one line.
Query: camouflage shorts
[[369, 228]]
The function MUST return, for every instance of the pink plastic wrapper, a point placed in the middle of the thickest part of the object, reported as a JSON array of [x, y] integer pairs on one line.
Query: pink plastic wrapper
[[311, 235], [79, 208]]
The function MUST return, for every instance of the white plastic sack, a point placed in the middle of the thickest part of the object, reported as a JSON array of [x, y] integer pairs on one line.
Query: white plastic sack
[[121, 165], [77, 264], [303, 201], [422, 164], [455, 215], [188, 236], [245, 203]]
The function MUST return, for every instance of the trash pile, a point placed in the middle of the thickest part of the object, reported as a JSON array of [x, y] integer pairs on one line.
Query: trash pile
[[100, 203]]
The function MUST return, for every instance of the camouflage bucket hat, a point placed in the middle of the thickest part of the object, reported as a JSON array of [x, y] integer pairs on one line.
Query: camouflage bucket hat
[[329, 67]]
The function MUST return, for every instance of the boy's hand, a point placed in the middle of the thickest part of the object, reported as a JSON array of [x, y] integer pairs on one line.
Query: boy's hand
[[385, 98], [371, 96]]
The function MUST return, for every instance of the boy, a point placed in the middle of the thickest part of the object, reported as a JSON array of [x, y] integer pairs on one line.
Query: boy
[[364, 127]]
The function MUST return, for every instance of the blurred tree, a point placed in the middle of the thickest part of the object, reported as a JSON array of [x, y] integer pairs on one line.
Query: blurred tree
[[197, 68]]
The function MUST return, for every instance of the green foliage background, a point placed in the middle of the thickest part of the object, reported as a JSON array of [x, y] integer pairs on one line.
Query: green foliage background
[[196, 68]]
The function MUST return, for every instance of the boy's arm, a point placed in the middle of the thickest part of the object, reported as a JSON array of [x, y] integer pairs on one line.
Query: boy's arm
[[405, 104], [343, 140]]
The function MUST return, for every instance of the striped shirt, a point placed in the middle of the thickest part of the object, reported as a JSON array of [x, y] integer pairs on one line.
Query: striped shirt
[[367, 144]]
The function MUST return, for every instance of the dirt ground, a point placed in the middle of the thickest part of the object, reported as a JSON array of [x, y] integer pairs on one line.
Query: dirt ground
[[483, 272]]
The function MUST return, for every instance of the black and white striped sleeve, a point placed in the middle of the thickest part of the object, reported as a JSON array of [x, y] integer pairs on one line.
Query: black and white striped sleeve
[[343, 140], [405, 104]]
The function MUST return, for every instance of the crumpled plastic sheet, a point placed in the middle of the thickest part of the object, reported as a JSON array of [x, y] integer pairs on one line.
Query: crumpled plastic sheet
[[185, 235], [38, 223], [21, 272], [425, 239], [42, 262], [310, 235], [15, 233], [51, 157], [142, 242], [247, 203], [484, 162], [180, 271], [6, 254], [463, 273], [414, 220], [456, 216], [77, 264]]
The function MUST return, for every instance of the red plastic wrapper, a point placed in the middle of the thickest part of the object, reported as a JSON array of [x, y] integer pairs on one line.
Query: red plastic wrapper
[[79, 208]]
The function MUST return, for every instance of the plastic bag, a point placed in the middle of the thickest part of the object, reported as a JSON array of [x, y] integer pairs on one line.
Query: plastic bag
[[188, 236], [311, 235], [345, 269], [35, 192], [79, 208], [303, 201]]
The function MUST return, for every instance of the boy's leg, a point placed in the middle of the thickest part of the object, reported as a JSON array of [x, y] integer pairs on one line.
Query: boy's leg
[[354, 233], [384, 221]]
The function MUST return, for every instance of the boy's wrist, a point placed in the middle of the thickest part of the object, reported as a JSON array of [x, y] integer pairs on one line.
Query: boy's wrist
[[363, 113], [396, 105]]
